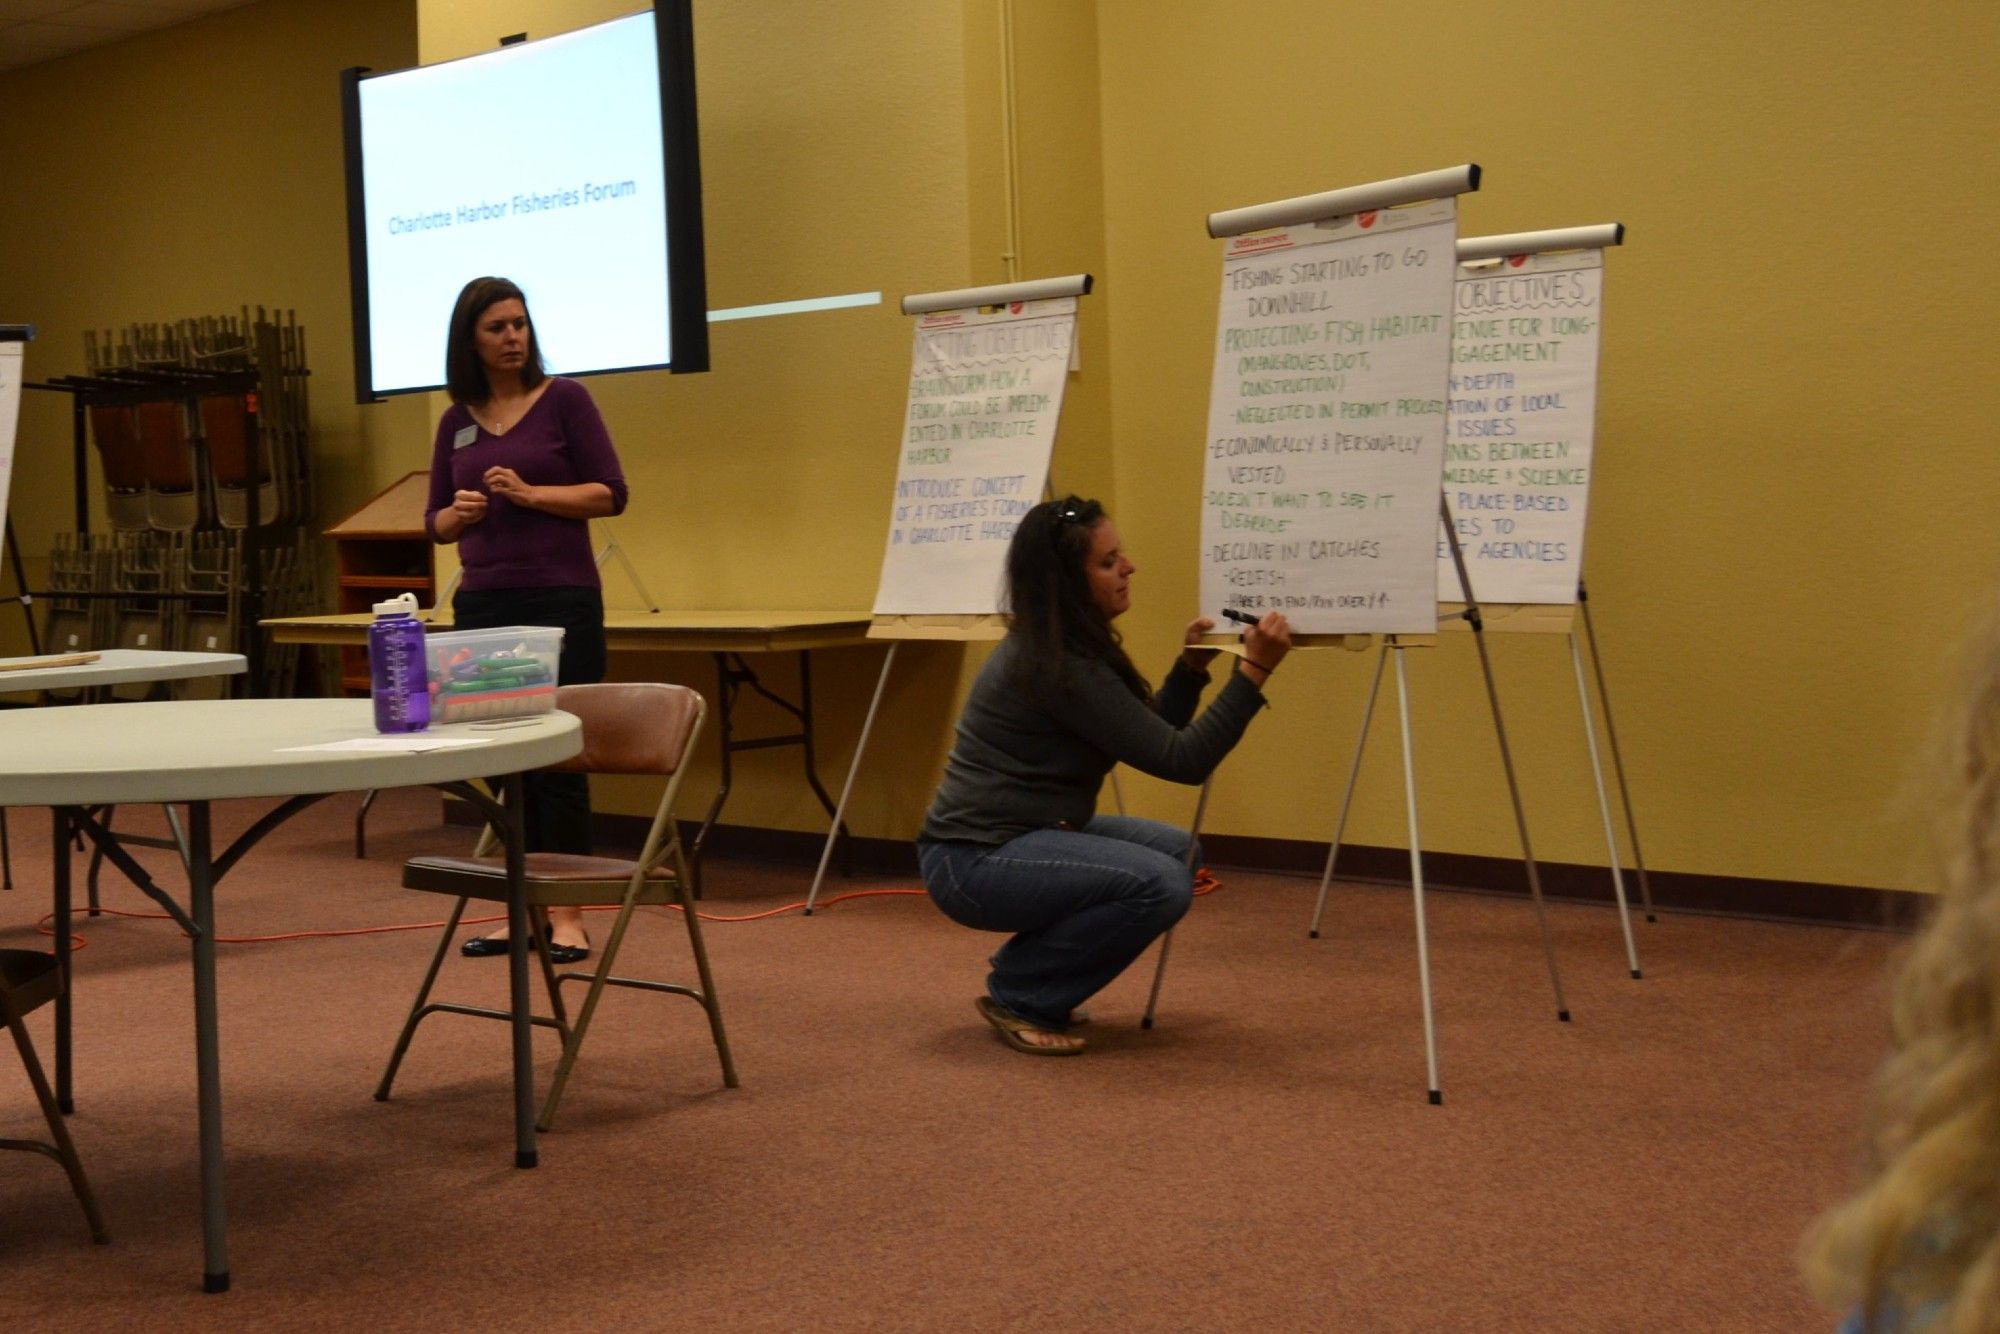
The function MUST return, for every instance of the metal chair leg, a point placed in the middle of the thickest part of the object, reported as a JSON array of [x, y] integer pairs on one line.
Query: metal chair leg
[[538, 923], [417, 1006], [573, 1040], [709, 1000], [64, 1148], [96, 863]]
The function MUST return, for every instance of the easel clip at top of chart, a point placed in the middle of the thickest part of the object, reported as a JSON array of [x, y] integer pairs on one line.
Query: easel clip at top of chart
[[988, 370], [1333, 205], [1325, 442], [997, 294], [1521, 421], [1515, 245]]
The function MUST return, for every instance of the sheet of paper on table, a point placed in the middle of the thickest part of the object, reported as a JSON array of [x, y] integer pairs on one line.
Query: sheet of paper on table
[[413, 744]]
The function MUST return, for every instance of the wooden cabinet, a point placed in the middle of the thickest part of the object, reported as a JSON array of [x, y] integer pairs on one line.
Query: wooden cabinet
[[381, 550]]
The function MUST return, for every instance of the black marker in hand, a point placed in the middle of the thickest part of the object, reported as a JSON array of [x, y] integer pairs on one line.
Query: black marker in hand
[[1266, 639]]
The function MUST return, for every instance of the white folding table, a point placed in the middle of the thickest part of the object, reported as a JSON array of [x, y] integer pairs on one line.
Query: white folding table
[[196, 752], [112, 667], [116, 666]]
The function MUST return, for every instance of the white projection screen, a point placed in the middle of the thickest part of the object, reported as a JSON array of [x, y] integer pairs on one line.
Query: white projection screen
[[568, 164]]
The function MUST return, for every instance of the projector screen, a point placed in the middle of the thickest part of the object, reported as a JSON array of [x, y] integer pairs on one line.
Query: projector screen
[[567, 164]]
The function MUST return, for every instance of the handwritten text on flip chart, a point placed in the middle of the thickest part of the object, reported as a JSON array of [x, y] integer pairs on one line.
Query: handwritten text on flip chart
[[985, 395], [1326, 422], [1519, 423]]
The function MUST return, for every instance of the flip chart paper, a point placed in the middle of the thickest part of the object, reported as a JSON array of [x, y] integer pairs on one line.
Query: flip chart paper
[[1326, 422], [10, 412], [985, 395], [1519, 425]]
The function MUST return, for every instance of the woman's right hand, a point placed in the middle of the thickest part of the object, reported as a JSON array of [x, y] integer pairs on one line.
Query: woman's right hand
[[1265, 645], [469, 506]]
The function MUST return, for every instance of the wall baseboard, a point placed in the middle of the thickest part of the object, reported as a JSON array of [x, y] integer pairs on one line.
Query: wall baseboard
[[1673, 891]]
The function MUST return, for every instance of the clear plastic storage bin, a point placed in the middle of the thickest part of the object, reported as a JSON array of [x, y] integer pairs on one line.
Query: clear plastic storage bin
[[502, 673]]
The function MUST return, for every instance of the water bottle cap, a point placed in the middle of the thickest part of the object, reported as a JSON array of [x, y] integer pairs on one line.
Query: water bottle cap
[[403, 604]]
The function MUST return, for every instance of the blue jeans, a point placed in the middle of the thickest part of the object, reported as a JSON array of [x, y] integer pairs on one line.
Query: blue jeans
[[1083, 904]]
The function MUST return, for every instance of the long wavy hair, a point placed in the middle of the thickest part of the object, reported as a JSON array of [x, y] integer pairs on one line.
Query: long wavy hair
[[464, 373], [1051, 613], [1920, 1240]]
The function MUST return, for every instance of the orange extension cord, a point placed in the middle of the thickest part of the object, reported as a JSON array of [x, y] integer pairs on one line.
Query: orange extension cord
[[1204, 883]]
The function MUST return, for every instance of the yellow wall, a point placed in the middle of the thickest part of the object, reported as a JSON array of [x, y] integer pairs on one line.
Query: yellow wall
[[834, 159], [1786, 536], [1788, 524], [186, 172]]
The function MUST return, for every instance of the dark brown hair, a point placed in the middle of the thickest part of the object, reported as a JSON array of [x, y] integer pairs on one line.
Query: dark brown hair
[[1051, 613], [464, 373]]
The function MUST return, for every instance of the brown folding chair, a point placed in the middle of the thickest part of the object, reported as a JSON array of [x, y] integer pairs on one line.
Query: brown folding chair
[[627, 729], [29, 979]]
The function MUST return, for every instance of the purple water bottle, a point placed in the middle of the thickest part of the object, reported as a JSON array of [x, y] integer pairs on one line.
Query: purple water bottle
[[396, 676]]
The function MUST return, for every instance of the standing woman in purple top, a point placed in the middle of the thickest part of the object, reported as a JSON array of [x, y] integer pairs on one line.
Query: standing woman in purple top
[[521, 465]]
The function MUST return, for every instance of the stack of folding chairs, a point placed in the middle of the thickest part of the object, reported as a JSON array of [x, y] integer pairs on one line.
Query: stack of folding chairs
[[199, 425], [173, 428]]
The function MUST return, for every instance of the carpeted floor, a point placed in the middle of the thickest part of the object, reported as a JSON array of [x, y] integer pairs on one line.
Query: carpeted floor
[[1264, 1158]]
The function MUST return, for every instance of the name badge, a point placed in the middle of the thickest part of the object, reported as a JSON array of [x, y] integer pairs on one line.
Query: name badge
[[465, 437]]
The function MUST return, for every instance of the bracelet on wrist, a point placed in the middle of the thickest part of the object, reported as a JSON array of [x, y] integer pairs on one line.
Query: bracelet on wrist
[[1258, 665]]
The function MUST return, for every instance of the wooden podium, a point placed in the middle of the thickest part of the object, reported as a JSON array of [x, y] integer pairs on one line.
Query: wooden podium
[[381, 550]]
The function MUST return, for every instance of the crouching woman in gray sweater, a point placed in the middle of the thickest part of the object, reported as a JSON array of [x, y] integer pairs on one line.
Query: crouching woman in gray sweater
[[1013, 841]]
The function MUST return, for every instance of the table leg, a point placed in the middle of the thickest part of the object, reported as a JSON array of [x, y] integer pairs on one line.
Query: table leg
[[725, 701], [729, 679], [806, 729], [60, 852], [525, 1154], [207, 1051]]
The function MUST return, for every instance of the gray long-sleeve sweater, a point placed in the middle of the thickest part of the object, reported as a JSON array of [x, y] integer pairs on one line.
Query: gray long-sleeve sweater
[[1019, 766]]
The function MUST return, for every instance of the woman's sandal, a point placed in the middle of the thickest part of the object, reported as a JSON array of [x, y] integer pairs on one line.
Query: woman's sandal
[[1010, 1030]]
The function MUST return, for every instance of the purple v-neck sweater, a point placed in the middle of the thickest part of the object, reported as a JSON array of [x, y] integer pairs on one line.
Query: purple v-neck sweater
[[560, 442]]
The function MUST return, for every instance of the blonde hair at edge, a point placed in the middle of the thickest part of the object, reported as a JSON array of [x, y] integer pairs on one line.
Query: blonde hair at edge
[[1919, 1243]]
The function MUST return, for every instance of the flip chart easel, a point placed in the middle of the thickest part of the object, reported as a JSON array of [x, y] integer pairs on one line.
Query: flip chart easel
[[1334, 412], [1557, 597], [12, 338], [915, 600]]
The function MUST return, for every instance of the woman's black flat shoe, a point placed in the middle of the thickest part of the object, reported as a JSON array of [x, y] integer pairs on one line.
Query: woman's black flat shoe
[[489, 947]]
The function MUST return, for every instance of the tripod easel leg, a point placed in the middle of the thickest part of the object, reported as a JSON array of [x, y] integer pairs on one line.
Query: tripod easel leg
[[1167, 940], [611, 548], [1347, 797], [1604, 809], [847, 788], [1521, 823], [1417, 879], [1617, 760], [1478, 625]]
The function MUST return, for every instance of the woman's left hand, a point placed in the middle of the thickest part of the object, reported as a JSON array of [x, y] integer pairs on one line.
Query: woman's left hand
[[506, 482], [1193, 653]]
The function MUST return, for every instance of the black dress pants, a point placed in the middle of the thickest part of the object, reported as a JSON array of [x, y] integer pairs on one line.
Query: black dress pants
[[557, 811]]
